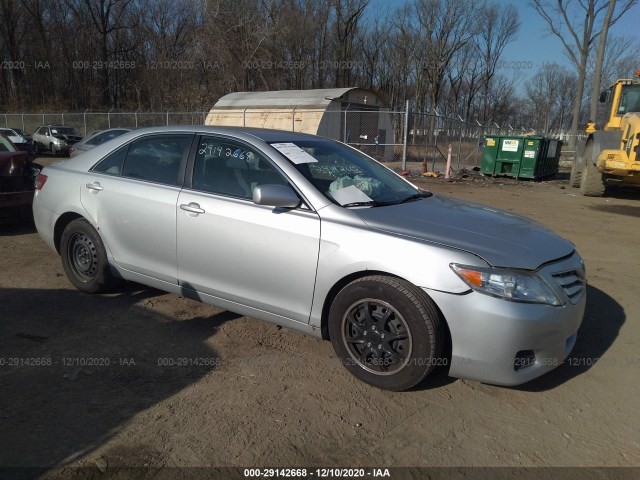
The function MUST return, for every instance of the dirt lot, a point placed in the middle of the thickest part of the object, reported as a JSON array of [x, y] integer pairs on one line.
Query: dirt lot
[[264, 396]]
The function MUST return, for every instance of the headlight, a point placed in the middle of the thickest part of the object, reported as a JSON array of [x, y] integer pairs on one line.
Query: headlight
[[513, 285]]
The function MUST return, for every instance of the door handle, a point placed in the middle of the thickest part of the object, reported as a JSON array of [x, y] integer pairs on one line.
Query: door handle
[[191, 207], [95, 186]]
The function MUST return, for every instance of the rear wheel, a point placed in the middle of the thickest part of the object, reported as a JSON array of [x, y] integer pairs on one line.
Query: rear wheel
[[84, 258], [591, 184], [386, 332]]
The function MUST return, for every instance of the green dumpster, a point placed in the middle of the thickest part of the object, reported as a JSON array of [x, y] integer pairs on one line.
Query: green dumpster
[[530, 156]]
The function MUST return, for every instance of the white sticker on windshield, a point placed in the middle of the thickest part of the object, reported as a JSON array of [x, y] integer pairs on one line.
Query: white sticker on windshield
[[349, 194], [294, 153]]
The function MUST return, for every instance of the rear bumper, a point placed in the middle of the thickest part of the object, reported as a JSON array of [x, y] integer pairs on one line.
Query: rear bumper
[[45, 221]]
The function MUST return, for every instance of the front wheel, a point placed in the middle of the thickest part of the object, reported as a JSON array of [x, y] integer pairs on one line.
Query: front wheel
[[576, 173], [591, 184], [84, 258], [386, 332]]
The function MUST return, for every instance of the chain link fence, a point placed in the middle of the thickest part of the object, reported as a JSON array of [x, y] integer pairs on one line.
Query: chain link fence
[[401, 139]]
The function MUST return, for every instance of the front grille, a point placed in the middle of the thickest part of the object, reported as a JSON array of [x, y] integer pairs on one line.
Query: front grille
[[572, 283]]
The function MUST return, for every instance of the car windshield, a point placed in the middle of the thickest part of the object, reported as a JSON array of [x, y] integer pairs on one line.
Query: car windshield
[[6, 145], [63, 131], [345, 175], [8, 132], [19, 132]]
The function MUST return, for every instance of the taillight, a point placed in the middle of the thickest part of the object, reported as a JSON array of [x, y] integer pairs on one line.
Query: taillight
[[41, 179]]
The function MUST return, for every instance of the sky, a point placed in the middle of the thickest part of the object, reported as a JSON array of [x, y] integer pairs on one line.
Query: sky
[[535, 46]]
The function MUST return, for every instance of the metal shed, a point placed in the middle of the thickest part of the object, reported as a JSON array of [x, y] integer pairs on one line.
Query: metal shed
[[352, 115]]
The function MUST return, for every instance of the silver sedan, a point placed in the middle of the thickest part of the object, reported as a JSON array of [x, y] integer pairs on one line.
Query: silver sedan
[[313, 235]]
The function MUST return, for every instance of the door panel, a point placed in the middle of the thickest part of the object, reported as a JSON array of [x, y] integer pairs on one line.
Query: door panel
[[229, 247], [137, 222], [250, 254], [131, 195]]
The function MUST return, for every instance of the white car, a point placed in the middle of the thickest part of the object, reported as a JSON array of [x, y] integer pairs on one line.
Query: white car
[[55, 139], [18, 140], [314, 235]]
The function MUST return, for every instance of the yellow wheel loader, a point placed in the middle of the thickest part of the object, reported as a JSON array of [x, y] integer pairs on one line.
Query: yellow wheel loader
[[611, 156]]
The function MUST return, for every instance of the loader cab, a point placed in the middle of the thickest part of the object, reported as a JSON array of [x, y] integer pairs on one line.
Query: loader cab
[[620, 98]]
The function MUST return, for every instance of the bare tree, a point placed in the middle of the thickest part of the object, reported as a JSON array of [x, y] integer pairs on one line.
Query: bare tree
[[108, 19], [446, 27], [581, 36], [620, 58], [500, 24], [549, 96], [348, 14], [464, 79]]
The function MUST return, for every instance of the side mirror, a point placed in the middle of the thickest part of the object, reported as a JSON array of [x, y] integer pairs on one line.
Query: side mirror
[[603, 96], [275, 196]]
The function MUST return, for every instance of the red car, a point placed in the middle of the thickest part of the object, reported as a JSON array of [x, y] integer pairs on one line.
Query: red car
[[17, 180]]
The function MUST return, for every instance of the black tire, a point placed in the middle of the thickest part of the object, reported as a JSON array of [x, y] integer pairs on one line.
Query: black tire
[[591, 184], [576, 173], [84, 258], [36, 149], [397, 316]]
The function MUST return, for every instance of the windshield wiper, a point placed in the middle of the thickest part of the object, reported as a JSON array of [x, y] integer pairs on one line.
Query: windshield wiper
[[416, 196], [376, 203], [368, 203]]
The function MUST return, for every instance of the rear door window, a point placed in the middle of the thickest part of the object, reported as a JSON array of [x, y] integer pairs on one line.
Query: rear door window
[[154, 158]]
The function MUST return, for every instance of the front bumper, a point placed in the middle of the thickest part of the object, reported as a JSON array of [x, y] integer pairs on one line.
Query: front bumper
[[618, 169], [64, 148], [487, 333]]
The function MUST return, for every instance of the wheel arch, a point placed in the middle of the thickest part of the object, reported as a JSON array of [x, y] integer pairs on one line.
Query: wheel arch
[[343, 282], [62, 222]]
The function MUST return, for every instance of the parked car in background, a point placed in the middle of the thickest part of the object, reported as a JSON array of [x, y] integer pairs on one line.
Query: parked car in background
[[22, 133], [55, 139], [17, 176], [95, 139], [20, 141], [315, 236]]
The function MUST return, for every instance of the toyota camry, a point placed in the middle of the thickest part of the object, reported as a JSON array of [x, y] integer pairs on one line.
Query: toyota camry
[[315, 236]]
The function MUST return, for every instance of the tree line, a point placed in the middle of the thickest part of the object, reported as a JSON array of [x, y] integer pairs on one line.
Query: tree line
[[444, 56]]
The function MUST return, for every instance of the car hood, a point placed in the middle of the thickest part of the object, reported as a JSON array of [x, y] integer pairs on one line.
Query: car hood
[[501, 238]]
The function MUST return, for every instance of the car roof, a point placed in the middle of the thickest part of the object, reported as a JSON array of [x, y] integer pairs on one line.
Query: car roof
[[264, 134]]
